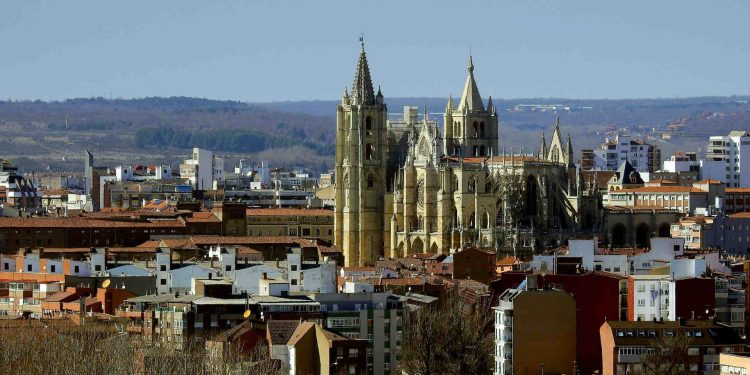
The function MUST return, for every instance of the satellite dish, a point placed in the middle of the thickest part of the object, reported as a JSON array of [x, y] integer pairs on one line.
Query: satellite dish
[[105, 283], [246, 314]]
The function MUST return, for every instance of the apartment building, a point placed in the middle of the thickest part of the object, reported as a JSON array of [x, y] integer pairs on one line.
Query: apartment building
[[700, 198], [598, 296], [643, 156], [315, 350], [651, 297], [725, 156], [18, 191], [376, 317], [694, 231], [535, 330], [306, 223], [202, 169], [734, 363], [625, 343]]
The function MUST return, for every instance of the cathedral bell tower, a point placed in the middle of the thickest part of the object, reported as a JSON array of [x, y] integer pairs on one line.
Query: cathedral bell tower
[[470, 128], [360, 184]]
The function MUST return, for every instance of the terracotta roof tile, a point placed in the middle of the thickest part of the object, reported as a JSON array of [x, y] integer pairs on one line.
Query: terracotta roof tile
[[83, 222], [288, 212], [737, 190], [660, 189]]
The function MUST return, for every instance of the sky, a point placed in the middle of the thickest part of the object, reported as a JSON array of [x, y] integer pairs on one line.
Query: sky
[[261, 51]]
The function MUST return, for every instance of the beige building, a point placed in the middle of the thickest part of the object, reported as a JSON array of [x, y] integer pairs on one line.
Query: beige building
[[535, 332], [306, 223], [734, 363], [402, 187]]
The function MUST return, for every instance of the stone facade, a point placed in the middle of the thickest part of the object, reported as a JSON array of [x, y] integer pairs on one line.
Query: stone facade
[[406, 188]]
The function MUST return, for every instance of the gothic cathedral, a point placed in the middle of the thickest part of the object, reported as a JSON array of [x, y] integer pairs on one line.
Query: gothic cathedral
[[402, 187]]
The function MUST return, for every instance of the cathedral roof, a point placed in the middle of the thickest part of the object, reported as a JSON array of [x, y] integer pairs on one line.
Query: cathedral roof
[[362, 91], [518, 159], [470, 99]]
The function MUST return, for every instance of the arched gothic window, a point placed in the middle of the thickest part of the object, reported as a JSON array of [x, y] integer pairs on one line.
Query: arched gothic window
[[476, 129], [481, 129], [369, 152]]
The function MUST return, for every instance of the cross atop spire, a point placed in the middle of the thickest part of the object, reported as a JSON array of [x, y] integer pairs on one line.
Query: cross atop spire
[[362, 91]]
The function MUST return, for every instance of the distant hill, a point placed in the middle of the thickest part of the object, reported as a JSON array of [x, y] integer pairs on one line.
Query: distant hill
[[587, 121], [153, 130], [162, 130]]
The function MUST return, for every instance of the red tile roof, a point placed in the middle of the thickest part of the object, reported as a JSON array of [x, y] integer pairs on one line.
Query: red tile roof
[[737, 190], [203, 217], [82, 222], [507, 261], [288, 212], [660, 189]]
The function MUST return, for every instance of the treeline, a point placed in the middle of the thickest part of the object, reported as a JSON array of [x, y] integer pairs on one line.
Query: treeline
[[227, 140], [46, 348]]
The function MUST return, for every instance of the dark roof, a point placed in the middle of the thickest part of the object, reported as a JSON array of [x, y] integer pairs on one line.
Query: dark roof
[[700, 332], [627, 175], [280, 331]]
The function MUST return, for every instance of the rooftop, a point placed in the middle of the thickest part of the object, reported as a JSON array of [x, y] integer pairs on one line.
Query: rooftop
[[288, 212]]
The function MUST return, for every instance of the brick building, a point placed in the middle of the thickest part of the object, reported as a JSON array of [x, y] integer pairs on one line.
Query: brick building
[[307, 223], [475, 264], [624, 344]]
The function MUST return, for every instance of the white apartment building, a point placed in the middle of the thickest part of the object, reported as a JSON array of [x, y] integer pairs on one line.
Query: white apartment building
[[653, 297], [681, 162], [642, 156], [724, 159], [202, 169]]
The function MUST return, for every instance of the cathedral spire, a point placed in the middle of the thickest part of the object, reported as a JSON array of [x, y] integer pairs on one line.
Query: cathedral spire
[[543, 148], [449, 107], [470, 99], [569, 151], [362, 91]]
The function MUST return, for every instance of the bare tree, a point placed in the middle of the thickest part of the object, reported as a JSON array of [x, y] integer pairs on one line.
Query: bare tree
[[669, 356], [38, 348], [453, 337]]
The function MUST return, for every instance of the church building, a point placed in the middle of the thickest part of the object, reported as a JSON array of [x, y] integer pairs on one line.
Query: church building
[[404, 186]]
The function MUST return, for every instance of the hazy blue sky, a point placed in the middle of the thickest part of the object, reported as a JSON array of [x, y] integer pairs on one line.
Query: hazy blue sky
[[292, 50]]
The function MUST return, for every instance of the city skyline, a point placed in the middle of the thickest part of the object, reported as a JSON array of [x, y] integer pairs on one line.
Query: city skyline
[[268, 51]]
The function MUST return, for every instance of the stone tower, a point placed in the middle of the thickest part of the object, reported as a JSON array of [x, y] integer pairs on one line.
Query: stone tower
[[361, 142], [470, 128]]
